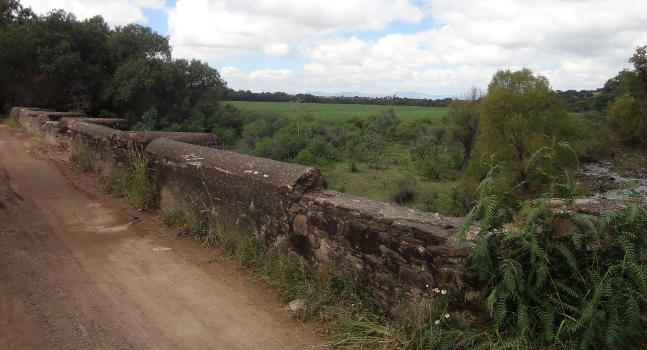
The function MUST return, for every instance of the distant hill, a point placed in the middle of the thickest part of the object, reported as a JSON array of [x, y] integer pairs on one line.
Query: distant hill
[[401, 94]]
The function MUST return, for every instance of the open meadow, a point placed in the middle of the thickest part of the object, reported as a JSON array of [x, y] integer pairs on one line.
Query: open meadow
[[388, 164], [338, 112]]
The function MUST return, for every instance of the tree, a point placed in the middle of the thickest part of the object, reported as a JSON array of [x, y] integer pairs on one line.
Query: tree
[[12, 11], [627, 100], [626, 117], [464, 123], [135, 41], [520, 113]]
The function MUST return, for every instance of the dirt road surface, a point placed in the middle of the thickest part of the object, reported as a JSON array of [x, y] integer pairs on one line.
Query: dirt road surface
[[78, 269]]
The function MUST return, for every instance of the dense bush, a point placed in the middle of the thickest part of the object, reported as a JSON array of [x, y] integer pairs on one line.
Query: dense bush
[[584, 287]]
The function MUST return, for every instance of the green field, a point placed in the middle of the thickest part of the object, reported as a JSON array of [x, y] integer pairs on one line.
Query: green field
[[384, 181], [336, 112]]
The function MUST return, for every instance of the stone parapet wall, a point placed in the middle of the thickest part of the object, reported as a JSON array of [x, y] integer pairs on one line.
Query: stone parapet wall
[[399, 252], [256, 191]]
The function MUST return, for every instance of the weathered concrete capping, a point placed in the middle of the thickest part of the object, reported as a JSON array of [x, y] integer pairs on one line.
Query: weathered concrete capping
[[88, 127], [92, 130], [59, 115], [116, 123], [386, 212], [15, 112], [51, 115], [278, 174], [145, 137], [588, 206]]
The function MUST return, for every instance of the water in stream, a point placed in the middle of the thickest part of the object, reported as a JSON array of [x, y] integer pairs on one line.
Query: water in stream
[[623, 187]]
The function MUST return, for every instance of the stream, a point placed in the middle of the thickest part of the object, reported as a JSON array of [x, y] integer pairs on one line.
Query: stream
[[615, 186]]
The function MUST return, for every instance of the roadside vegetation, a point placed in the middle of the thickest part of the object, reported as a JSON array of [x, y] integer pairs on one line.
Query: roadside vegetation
[[134, 180], [495, 156], [8, 121]]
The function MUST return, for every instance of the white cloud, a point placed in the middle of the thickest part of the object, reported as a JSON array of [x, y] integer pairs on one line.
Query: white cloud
[[211, 29], [258, 80], [277, 49], [115, 12], [576, 44]]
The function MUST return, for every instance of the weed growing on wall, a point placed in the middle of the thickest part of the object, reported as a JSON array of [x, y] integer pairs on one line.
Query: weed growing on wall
[[81, 155], [8, 121], [134, 180]]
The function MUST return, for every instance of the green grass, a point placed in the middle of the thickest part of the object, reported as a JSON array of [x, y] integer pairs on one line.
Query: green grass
[[81, 156], [382, 184], [338, 112], [134, 181], [379, 184], [8, 121]]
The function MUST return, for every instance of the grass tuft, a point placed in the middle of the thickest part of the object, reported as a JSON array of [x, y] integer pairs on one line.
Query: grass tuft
[[8, 121], [82, 156], [134, 181]]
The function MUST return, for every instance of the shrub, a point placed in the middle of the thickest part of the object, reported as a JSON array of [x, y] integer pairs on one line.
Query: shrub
[[406, 189], [626, 116], [583, 288]]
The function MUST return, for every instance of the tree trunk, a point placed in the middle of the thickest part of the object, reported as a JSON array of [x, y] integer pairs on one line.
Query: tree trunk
[[466, 157]]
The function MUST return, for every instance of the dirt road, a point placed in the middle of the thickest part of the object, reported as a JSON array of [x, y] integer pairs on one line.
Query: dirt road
[[78, 269]]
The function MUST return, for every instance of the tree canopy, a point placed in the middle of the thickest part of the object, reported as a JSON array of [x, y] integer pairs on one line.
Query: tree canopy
[[520, 114], [57, 61], [625, 101]]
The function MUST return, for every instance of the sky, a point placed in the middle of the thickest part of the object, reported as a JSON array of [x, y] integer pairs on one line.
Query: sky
[[381, 47]]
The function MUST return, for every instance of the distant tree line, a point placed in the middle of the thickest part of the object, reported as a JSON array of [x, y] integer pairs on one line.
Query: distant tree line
[[58, 61], [246, 95], [577, 101]]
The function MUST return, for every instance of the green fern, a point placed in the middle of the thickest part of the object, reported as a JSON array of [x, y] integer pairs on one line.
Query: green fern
[[587, 289]]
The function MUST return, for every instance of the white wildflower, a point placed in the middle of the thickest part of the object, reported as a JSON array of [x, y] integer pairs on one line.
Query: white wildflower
[[443, 292], [437, 322], [426, 286], [446, 315], [436, 290]]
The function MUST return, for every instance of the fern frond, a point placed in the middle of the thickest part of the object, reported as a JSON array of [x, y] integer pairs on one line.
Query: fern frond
[[568, 290], [568, 256], [628, 248], [631, 314], [499, 314], [576, 238], [613, 328], [540, 275], [546, 322], [523, 318]]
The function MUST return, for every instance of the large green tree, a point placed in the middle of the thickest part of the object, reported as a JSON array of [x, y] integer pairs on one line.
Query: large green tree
[[519, 115], [56, 61], [627, 102], [464, 123]]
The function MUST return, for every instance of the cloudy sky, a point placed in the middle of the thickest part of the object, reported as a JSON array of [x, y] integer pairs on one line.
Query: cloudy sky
[[438, 47]]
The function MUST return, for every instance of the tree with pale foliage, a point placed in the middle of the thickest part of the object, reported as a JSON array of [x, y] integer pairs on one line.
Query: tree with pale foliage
[[627, 113], [519, 115], [464, 124]]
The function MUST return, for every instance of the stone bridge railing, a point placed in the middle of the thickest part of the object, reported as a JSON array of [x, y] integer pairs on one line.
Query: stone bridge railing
[[398, 251]]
